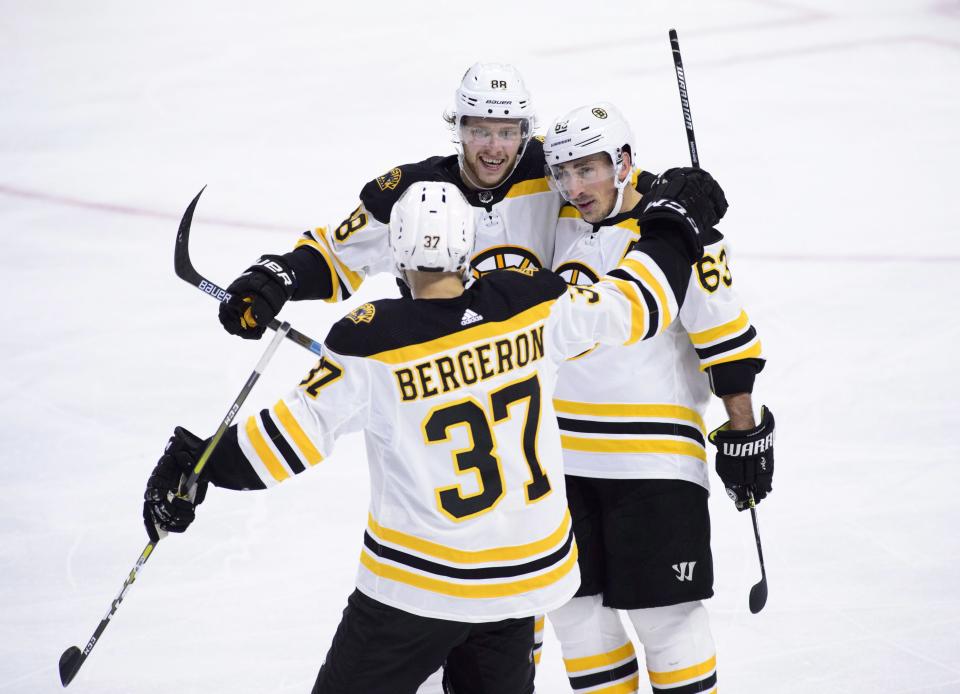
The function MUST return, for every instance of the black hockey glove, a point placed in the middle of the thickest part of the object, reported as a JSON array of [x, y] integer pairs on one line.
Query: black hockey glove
[[687, 201], [745, 460], [257, 296], [162, 508]]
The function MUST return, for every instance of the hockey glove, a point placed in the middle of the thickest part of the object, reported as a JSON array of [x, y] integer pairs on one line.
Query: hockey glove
[[687, 201], [257, 296], [163, 510], [745, 460]]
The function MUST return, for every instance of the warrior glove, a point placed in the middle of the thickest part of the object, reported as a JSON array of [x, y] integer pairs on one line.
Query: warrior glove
[[745, 460], [257, 296], [163, 509], [687, 201]]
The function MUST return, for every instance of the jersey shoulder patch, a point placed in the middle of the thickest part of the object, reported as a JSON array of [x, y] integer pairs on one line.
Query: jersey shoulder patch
[[379, 195], [359, 331]]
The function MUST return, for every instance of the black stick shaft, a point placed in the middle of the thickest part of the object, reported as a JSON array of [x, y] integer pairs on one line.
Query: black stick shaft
[[684, 98], [73, 658]]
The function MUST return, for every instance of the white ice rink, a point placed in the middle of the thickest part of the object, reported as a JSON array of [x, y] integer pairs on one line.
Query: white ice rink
[[833, 127]]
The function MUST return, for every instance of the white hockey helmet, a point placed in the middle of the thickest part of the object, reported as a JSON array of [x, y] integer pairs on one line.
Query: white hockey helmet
[[590, 129], [432, 229], [492, 90]]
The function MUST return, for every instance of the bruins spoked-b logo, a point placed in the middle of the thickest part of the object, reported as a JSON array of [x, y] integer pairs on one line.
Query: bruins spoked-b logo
[[390, 180], [577, 273], [501, 258], [599, 113], [362, 314]]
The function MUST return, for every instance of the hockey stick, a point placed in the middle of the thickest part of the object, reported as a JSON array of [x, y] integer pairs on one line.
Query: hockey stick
[[684, 99], [185, 271], [758, 593], [73, 657]]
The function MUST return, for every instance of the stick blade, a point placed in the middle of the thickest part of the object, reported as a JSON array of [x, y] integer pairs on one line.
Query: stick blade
[[69, 664], [758, 596], [181, 256]]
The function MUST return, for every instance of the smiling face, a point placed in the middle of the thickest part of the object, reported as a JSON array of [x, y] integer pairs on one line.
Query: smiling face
[[490, 149]]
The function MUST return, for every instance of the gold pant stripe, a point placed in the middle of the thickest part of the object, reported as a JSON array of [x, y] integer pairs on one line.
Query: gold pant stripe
[[307, 449], [478, 556], [633, 446], [472, 591], [687, 673], [273, 465], [591, 662]]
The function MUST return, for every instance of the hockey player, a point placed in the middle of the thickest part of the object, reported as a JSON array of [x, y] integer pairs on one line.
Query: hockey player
[[469, 532], [631, 424], [498, 167]]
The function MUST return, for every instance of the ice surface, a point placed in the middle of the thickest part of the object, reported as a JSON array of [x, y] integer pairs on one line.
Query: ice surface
[[833, 127]]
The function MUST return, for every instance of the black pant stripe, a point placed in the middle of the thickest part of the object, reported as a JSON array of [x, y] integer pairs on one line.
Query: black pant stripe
[[585, 426], [281, 443], [704, 685], [597, 678], [652, 309], [488, 572], [727, 345]]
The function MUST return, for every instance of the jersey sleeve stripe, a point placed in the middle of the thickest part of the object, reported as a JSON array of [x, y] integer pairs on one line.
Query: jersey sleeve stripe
[[353, 279], [705, 337], [308, 451], [466, 590], [266, 456], [592, 662], [482, 556], [652, 310], [598, 445], [735, 343], [754, 351], [308, 240], [628, 410], [293, 462], [647, 275], [639, 312]]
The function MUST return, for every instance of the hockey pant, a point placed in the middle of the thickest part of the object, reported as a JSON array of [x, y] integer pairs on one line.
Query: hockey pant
[[600, 659]]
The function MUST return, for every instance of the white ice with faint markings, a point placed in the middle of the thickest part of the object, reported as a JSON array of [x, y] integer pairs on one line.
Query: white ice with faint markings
[[832, 126]]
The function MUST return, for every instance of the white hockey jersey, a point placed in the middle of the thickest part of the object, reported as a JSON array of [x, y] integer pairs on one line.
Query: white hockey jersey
[[514, 222], [637, 412], [468, 517]]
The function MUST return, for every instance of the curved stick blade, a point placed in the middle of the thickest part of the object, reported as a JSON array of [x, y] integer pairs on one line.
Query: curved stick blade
[[181, 255], [69, 664], [758, 596]]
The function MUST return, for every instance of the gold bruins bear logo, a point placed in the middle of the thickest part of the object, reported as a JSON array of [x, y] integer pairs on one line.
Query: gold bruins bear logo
[[362, 314], [389, 181], [599, 113]]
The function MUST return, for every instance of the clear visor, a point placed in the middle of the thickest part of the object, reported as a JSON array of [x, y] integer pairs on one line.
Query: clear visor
[[474, 131], [572, 177]]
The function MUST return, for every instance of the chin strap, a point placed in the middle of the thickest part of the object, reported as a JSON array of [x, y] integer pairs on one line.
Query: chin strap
[[621, 186]]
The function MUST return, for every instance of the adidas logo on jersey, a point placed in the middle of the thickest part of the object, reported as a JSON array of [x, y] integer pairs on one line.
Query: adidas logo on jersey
[[470, 317]]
